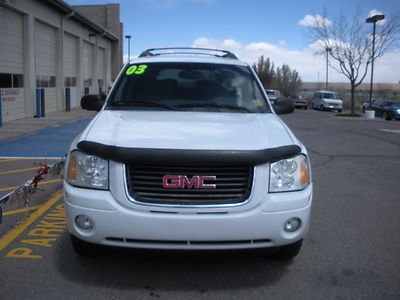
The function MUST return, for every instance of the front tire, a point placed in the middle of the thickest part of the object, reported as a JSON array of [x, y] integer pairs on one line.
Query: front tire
[[289, 251], [321, 108], [83, 248], [386, 116]]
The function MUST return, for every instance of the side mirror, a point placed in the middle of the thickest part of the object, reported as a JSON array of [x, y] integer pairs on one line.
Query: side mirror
[[92, 102], [283, 106]]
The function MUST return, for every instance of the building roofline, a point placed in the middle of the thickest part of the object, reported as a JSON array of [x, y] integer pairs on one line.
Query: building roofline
[[69, 10]]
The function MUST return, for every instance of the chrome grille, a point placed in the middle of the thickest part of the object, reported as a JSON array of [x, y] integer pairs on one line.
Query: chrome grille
[[233, 185]]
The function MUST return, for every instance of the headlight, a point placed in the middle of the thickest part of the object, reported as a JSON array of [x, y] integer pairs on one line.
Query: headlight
[[290, 174], [398, 111], [87, 171]]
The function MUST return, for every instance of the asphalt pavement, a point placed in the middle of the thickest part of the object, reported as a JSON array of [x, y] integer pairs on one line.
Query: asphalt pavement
[[351, 252]]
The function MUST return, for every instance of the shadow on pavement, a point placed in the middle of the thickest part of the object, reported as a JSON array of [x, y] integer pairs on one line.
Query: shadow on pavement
[[170, 270]]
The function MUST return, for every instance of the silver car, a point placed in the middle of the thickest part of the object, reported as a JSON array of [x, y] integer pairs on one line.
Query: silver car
[[273, 95]]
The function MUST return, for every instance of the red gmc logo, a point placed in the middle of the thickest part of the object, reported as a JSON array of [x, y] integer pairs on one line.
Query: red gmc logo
[[183, 182]]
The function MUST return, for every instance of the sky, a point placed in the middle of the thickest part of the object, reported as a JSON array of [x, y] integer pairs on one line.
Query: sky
[[249, 28]]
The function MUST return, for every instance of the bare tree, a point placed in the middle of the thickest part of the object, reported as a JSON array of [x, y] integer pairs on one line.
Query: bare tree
[[264, 69], [348, 40]]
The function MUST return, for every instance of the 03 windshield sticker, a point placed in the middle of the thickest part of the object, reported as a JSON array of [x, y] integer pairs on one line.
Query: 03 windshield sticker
[[257, 103], [136, 70]]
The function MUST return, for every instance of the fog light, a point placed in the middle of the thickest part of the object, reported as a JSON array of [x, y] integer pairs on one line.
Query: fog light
[[84, 222], [292, 225]]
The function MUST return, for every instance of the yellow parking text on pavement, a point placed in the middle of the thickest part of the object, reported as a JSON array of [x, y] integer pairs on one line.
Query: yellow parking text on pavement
[[13, 234], [44, 234], [23, 253]]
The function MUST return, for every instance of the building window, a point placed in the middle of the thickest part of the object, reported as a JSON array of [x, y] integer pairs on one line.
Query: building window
[[45, 81], [69, 81], [87, 82], [8, 80], [5, 80], [52, 82], [18, 80]]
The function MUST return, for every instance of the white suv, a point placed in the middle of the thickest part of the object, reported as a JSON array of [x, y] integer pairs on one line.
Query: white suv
[[187, 153]]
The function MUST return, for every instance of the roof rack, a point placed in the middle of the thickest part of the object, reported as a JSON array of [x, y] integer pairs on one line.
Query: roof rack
[[188, 51]]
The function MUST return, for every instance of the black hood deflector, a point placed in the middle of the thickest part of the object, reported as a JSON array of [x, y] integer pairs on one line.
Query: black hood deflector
[[175, 157]]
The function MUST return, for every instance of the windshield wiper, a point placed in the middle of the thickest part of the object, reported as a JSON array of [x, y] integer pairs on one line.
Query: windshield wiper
[[216, 105], [142, 103]]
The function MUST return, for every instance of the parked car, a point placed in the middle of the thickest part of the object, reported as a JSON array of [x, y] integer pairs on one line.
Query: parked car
[[273, 95], [327, 100], [374, 104], [299, 101], [187, 153], [387, 109]]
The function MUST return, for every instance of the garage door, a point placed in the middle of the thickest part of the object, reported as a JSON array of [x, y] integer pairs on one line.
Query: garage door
[[11, 66], [45, 61], [70, 66], [88, 67], [101, 69]]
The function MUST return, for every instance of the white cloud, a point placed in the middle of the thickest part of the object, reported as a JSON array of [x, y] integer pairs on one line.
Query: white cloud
[[374, 12], [314, 21], [203, 42], [311, 67], [125, 58], [261, 46]]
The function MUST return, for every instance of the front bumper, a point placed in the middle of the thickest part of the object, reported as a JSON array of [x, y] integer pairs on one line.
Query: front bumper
[[333, 106], [249, 226], [300, 104]]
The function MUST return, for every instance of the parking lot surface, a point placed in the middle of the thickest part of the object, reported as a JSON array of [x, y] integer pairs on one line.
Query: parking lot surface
[[351, 252]]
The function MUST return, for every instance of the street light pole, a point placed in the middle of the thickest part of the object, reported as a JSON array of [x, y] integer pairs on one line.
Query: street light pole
[[128, 37], [327, 49], [373, 20]]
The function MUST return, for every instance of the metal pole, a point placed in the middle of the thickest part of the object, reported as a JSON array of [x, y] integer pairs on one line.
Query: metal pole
[[38, 108], [128, 37], [129, 47], [372, 66], [326, 82], [1, 114]]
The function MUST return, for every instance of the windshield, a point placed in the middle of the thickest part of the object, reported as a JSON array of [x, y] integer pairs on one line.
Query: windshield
[[330, 96], [188, 86], [390, 103]]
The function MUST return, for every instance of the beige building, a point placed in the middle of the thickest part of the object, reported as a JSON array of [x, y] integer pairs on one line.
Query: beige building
[[108, 17], [51, 55]]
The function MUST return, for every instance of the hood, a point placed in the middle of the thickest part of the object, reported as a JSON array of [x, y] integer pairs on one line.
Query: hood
[[187, 130]]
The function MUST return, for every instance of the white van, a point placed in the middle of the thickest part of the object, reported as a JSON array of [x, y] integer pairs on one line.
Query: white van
[[327, 100]]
